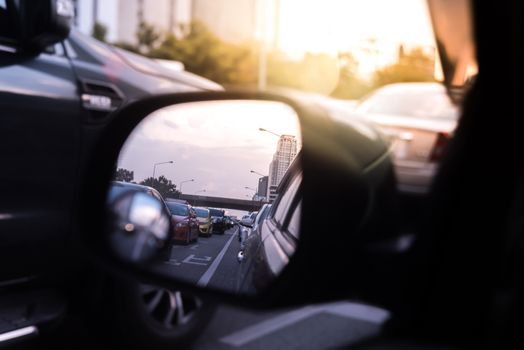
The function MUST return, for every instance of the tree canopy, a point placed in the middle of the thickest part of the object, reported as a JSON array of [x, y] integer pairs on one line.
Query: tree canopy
[[164, 186]]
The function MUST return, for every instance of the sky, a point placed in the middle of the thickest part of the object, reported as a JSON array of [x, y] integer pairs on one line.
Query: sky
[[215, 143]]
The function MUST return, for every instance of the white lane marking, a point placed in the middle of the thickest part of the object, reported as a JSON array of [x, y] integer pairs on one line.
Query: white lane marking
[[268, 326], [206, 277], [345, 309], [18, 333], [199, 261], [360, 312], [194, 247]]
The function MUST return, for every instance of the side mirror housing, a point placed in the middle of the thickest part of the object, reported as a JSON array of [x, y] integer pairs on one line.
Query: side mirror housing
[[35, 25]]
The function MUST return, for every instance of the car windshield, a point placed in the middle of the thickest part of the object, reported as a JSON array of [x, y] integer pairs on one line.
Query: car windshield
[[411, 101], [178, 209], [216, 212], [202, 213]]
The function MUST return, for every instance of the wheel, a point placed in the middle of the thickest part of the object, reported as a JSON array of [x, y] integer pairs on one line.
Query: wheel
[[188, 238], [145, 316]]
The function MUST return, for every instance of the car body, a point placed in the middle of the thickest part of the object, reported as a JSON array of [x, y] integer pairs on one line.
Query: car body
[[418, 119], [62, 100], [268, 244], [219, 220], [205, 223], [185, 223], [245, 231]]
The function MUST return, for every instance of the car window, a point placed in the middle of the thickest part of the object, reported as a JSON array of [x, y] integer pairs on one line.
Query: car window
[[293, 226], [202, 213], [286, 199], [178, 209]]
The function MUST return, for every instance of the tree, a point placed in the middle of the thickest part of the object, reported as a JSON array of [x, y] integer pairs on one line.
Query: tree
[[99, 31], [350, 84], [124, 175], [412, 66], [164, 186], [314, 73], [147, 37], [203, 53]]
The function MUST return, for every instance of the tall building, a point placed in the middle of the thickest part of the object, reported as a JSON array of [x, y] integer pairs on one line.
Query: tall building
[[231, 20], [121, 17], [262, 187], [282, 159]]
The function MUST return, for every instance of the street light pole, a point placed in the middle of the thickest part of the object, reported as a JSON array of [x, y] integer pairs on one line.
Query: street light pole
[[181, 183], [269, 131], [255, 172], [154, 166]]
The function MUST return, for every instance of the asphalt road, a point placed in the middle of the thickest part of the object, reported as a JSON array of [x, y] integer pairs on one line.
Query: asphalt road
[[209, 262], [212, 262]]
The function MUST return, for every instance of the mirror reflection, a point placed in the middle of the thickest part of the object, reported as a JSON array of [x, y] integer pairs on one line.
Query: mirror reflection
[[228, 174]]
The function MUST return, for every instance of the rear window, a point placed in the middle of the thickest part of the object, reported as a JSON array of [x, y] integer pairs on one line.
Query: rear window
[[202, 213], [216, 212], [178, 209]]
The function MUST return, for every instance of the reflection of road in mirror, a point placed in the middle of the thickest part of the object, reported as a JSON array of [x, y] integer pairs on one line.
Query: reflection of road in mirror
[[210, 262], [216, 165]]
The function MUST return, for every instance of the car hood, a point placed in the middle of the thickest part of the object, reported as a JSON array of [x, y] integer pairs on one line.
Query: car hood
[[148, 66]]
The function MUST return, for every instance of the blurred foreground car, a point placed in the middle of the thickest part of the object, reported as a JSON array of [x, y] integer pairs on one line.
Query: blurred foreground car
[[419, 120], [61, 93]]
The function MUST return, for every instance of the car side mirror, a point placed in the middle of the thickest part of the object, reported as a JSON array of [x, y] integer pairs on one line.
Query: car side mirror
[[311, 161], [246, 223], [32, 26]]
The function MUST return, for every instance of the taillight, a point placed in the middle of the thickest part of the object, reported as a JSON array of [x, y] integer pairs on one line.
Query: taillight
[[440, 146]]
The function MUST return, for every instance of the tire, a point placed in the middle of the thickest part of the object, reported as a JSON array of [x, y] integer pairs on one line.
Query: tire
[[152, 317]]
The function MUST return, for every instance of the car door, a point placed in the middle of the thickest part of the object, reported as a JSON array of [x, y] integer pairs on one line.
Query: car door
[[40, 138]]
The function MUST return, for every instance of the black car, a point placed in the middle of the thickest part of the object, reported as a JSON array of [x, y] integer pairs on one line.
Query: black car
[[219, 220], [71, 90]]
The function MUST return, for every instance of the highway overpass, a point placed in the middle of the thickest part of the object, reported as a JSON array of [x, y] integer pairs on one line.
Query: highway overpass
[[221, 202]]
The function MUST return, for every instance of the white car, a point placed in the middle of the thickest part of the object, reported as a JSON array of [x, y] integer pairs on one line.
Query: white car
[[419, 120]]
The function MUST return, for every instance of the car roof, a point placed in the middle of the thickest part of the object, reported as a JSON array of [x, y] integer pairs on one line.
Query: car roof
[[132, 186]]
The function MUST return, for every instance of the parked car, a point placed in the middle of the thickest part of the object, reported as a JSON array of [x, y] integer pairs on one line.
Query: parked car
[[219, 221], [419, 120], [185, 223], [205, 223]]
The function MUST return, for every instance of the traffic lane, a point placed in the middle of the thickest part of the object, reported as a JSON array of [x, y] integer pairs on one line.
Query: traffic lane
[[323, 326], [227, 275], [197, 260]]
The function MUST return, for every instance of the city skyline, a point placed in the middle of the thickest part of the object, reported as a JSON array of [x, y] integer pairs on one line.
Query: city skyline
[[216, 143]]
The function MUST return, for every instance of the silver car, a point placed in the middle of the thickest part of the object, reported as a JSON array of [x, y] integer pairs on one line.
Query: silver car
[[419, 120]]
